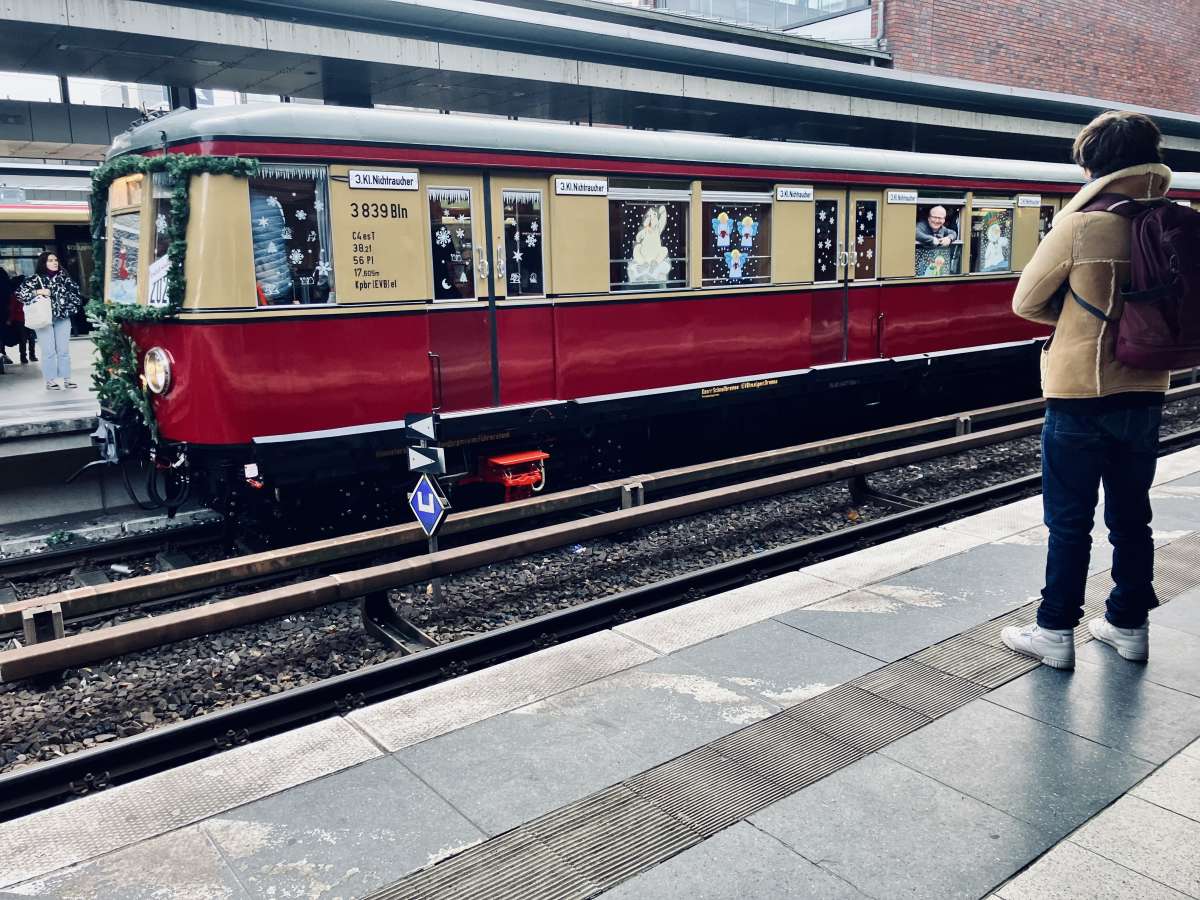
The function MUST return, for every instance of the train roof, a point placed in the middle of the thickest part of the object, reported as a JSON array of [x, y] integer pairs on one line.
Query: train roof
[[339, 124]]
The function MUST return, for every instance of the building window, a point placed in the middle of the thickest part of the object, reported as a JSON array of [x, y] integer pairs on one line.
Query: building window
[[647, 238], [289, 224], [523, 236], [866, 220], [938, 237], [827, 243], [124, 231], [101, 92], [450, 239], [991, 235], [737, 239]]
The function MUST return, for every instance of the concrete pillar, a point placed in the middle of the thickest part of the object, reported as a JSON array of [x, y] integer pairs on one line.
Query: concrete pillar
[[182, 97]]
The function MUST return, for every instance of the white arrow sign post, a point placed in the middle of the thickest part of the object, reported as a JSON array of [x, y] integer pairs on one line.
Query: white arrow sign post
[[429, 506]]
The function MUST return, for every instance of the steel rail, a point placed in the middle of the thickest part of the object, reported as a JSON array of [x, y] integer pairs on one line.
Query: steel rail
[[189, 581], [58, 558], [128, 759]]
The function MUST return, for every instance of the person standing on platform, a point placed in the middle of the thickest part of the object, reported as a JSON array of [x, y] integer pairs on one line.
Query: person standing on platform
[[1102, 417], [49, 280], [26, 339]]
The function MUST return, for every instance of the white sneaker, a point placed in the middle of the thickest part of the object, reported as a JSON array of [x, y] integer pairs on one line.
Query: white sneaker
[[1052, 646], [1131, 643]]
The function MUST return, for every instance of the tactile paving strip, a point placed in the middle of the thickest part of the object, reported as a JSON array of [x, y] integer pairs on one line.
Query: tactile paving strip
[[590, 846], [918, 687], [860, 718]]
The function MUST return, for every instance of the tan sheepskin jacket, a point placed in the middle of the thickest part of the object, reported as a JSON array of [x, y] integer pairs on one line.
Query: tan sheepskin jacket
[[1091, 251]]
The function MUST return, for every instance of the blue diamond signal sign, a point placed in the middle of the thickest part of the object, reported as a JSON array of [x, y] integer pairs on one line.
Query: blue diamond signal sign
[[428, 505]]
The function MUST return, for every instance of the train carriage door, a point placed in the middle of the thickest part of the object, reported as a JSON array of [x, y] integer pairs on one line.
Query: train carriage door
[[461, 317], [519, 241], [829, 299], [864, 324]]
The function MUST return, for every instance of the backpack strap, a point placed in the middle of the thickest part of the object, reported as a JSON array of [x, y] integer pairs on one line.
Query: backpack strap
[[1094, 310], [1127, 207]]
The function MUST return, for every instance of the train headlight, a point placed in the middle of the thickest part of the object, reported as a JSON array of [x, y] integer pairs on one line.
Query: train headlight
[[156, 366]]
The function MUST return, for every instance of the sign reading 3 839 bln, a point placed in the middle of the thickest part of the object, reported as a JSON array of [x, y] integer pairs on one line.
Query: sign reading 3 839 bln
[[377, 239]]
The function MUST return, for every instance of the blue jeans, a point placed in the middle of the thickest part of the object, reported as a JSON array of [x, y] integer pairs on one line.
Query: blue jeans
[[55, 341], [1120, 449]]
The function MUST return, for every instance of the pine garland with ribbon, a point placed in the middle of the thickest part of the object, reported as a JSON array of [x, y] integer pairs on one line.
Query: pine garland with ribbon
[[115, 373]]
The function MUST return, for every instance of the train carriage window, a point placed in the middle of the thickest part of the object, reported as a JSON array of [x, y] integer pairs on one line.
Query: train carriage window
[[124, 233], [991, 235], [1045, 221], [737, 238], [162, 187], [939, 237], [523, 235], [647, 238], [450, 239], [866, 239], [827, 241], [289, 224]]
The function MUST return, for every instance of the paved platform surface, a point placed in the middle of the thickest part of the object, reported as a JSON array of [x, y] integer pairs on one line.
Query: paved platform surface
[[27, 408], [853, 729]]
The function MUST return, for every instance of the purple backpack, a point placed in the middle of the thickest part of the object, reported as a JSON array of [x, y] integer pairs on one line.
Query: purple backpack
[[1160, 326]]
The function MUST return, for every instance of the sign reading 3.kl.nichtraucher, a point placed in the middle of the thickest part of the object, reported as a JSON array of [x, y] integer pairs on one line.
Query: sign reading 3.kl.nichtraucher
[[581, 187], [383, 181]]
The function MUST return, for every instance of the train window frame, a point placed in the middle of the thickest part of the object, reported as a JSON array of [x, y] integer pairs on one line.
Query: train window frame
[[522, 246], [980, 204], [286, 171], [649, 197], [433, 239], [921, 212], [734, 238], [126, 198]]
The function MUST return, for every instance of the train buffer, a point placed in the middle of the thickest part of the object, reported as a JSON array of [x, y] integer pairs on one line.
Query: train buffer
[[852, 728]]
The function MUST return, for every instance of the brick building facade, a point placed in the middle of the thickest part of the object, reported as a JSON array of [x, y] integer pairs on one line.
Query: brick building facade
[[1141, 53]]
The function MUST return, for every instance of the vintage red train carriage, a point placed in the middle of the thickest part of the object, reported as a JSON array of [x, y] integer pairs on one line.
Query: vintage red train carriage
[[526, 281]]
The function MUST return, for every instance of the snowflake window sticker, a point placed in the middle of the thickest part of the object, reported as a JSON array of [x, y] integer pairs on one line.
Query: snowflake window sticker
[[517, 255], [262, 222], [160, 223], [323, 268], [821, 215], [534, 226], [301, 215], [273, 201], [319, 204], [296, 257], [531, 240], [459, 233], [442, 237]]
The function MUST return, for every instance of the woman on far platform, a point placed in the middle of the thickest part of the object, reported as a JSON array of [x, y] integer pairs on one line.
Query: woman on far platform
[[49, 280]]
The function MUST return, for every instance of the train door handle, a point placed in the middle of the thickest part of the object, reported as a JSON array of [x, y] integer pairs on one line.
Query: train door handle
[[501, 268], [879, 322], [481, 263], [435, 374]]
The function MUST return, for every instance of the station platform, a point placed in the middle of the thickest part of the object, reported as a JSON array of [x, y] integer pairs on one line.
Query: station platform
[[27, 409], [852, 729]]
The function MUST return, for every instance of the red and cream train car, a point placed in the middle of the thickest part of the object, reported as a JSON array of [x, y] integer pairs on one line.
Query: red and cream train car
[[524, 280]]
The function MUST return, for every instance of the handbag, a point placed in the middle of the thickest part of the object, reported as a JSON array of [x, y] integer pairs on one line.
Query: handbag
[[38, 314]]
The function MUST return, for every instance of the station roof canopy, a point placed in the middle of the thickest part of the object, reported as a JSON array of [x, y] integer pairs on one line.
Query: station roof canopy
[[574, 60]]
